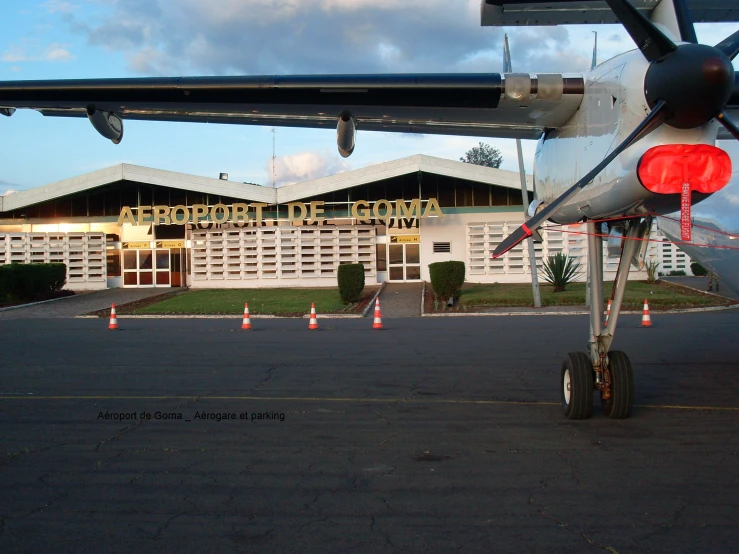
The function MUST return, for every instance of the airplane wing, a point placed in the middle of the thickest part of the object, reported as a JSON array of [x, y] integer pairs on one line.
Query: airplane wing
[[567, 12], [488, 105]]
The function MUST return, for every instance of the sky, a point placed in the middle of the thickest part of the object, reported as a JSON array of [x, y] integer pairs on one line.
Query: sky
[[60, 39]]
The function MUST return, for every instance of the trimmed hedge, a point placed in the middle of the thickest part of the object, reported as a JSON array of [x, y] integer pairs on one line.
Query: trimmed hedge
[[27, 281], [351, 282], [446, 278]]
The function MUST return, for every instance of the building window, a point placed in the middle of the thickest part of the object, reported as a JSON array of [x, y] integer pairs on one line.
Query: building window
[[113, 261], [381, 257], [440, 247]]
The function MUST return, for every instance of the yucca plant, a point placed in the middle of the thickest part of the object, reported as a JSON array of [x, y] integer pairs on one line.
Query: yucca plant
[[559, 270], [652, 266]]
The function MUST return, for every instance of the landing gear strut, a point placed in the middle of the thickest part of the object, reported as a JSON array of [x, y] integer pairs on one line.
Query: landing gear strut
[[609, 373]]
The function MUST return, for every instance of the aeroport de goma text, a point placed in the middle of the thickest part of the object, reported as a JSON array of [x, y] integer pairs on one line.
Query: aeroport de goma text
[[254, 212]]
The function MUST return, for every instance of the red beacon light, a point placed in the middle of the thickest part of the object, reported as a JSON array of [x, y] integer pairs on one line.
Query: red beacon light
[[681, 169]]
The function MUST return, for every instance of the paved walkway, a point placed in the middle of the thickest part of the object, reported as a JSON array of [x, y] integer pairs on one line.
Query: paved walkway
[[701, 284], [80, 304], [401, 300]]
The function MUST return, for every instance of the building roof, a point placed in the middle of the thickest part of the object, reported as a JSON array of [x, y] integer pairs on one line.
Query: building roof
[[256, 193]]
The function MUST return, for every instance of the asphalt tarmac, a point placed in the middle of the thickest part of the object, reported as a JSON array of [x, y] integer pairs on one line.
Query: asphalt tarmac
[[433, 435]]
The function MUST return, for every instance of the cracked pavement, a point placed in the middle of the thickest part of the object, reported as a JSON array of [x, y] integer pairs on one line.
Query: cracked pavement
[[432, 435]]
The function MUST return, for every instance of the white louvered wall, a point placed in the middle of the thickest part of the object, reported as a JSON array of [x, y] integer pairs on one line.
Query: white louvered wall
[[284, 256], [83, 254]]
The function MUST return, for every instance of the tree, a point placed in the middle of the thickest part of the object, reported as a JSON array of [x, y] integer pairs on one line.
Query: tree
[[484, 154]]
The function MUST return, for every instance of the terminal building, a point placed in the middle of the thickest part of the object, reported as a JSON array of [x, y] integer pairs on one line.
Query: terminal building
[[130, 226]]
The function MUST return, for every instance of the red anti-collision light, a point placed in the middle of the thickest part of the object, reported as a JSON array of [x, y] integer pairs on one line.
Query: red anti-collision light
[[664, 169]]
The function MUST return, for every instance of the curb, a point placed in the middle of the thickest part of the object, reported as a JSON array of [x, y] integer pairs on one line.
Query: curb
[[453, 314], [582, 312], [368, 308], [220, 316]]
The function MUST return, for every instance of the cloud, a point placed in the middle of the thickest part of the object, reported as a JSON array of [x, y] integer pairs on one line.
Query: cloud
[[291, 36], [220, 37], [305, 166], [9, 188], [60, 6], [57, 53], [19, 53]]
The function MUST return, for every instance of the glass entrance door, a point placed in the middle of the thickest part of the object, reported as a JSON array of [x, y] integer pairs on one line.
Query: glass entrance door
[[176, 270], [146, 268], [404, 262]]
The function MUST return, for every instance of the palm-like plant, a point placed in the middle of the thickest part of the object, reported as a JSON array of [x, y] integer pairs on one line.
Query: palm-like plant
[[652, 266], [559, 270]]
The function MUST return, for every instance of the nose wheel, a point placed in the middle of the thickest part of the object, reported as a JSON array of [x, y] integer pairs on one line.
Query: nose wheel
[[577, 385], [618, 400]]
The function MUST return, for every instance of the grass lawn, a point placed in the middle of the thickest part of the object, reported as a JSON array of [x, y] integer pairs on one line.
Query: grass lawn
[[295, 302], [661, 295]]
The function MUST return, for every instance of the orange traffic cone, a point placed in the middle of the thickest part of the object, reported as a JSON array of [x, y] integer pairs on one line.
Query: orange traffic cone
[[378, 316], [646, 321], [608, 310], [247, 322], [113, 319], [313, 324]]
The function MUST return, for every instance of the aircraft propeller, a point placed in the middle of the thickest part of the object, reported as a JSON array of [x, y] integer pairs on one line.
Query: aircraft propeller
[[686, 86]]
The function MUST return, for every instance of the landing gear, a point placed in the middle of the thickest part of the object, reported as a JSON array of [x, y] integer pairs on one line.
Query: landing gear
[[577, 385], [610, 373]]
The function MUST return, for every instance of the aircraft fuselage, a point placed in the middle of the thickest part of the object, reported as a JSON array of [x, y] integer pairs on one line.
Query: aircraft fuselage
[[612, 106]]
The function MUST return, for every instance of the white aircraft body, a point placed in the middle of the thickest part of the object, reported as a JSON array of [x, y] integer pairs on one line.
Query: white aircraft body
[[628, 140]]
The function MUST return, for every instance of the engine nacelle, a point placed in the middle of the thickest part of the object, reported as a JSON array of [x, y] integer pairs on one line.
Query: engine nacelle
[[346, 132], [7, 111], [108, 124]]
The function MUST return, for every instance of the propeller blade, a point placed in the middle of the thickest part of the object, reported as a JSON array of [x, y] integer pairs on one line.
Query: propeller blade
[[653, 44], [684, 21], [729, 124], [655, 118], [730, 46]]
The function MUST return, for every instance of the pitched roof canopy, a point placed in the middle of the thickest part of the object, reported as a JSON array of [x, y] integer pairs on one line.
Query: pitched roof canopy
[[256, 193]]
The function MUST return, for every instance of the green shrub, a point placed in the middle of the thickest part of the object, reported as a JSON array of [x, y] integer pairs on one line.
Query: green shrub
[[446, 278], [7, 282], [676, 273], [560, 270], [28, 281], [351, 282], [698, 270]]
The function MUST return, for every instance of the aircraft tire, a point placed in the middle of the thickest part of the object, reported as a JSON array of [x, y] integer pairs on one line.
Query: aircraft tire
[[621, 402], [577, 385]]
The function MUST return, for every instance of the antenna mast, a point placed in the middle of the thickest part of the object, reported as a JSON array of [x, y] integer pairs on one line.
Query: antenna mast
[[595, 51], [274, 134]]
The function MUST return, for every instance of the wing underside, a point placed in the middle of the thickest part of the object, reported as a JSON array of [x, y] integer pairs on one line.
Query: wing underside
[[563, 12], [492, 104]]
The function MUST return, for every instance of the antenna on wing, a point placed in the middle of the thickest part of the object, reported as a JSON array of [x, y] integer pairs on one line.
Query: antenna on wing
[[595, 51], [508, 68]]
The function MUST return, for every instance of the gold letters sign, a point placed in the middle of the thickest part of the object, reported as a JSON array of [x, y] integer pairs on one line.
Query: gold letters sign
[[297, 212]]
